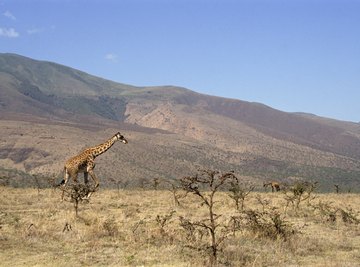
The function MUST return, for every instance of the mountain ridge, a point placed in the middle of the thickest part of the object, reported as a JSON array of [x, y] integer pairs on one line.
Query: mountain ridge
[[249, 134]]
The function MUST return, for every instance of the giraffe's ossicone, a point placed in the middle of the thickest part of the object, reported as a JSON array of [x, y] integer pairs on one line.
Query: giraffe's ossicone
[[84, 162]]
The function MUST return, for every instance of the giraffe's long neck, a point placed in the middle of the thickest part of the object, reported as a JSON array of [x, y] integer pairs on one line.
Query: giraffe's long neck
[[98, 150]]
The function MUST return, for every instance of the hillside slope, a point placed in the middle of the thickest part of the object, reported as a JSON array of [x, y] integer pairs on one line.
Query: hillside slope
[[174, 130]]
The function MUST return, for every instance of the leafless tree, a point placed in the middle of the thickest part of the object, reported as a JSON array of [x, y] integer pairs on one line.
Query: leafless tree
[[239, 191], [205, 185], [156, 182], [78, 193], [299, 192], [176, 189]]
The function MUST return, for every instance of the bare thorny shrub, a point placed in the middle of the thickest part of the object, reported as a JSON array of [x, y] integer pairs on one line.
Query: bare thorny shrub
[[265, 223], [78, 193], [138, 229], [156, 230], [349, 216], [239, 191], [155, 183], [175, 188], [264, 202], [330, 213], [164, 220], [110, 227], [269, 224], [193, 235], [326, 210], [298, 193], [205, 185]]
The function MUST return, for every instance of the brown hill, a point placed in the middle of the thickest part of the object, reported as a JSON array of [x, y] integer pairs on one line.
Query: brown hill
[[49, 112]]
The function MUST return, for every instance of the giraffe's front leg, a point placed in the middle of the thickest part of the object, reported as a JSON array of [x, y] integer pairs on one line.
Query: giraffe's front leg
[[95, 179], [90, 169], [86, 181]]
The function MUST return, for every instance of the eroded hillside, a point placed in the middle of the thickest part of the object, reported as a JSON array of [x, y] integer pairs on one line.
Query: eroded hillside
[[50, 112]]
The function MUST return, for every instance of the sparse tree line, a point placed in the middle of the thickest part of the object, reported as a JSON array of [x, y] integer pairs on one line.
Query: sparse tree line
[[208, 234]]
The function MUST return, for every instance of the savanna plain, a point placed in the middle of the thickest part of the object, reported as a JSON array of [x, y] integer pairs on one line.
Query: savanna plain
[[148, 227]]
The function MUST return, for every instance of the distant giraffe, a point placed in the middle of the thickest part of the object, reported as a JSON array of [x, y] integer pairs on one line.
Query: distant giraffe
[[275, 186], [84, 162]]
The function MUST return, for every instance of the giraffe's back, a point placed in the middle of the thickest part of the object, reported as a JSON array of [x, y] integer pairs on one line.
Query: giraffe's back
[[79, 162]]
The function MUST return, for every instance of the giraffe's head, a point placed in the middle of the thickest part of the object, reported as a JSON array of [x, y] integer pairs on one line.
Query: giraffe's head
[[120, 137]]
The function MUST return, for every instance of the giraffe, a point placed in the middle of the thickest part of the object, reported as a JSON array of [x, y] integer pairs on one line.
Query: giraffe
[[84, 162], [275, 186]]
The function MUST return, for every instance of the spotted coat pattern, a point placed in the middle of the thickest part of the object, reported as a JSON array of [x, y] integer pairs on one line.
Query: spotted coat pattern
[[84, 162]]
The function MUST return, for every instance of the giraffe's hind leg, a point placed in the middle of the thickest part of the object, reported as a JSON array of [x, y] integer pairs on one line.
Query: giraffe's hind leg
[[69, 174]]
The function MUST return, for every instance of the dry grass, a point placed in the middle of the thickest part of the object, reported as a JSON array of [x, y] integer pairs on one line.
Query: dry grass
[[127, 228]]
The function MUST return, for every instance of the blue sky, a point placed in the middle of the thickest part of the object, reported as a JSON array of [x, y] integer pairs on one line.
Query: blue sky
[[293, 55]]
